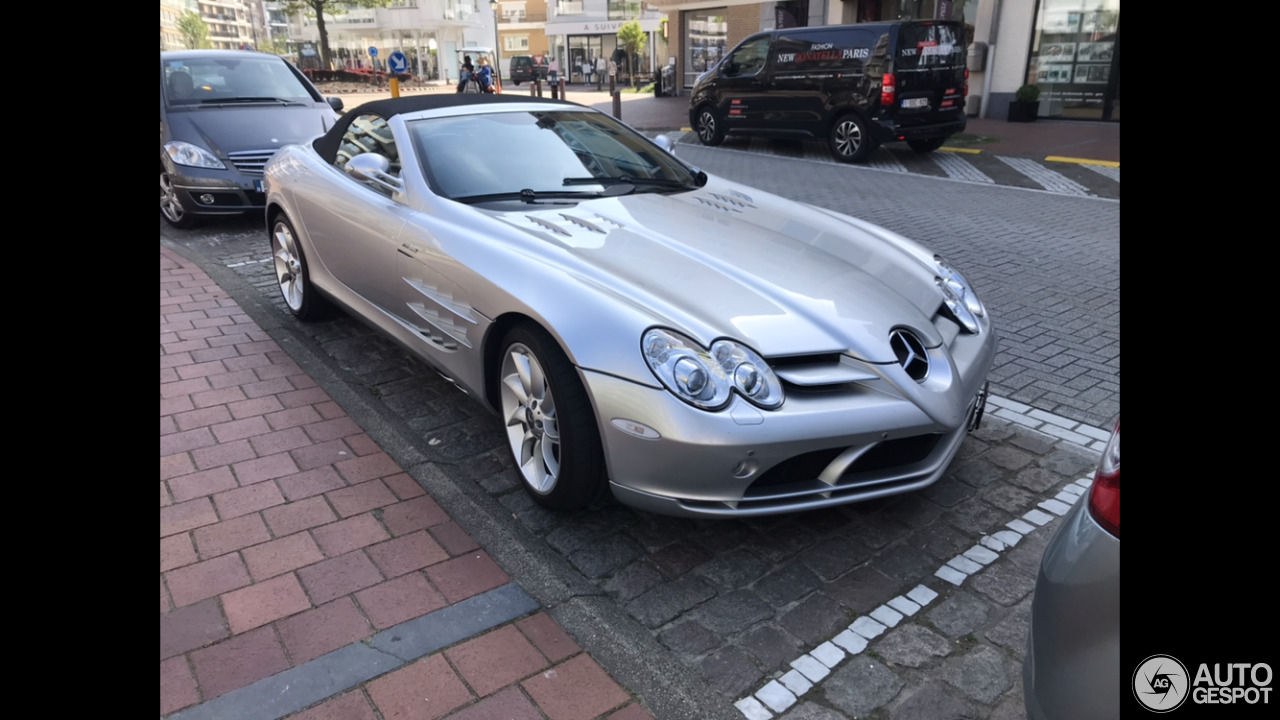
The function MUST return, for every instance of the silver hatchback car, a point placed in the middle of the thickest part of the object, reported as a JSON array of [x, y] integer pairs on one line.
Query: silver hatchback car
[[1072, 666]]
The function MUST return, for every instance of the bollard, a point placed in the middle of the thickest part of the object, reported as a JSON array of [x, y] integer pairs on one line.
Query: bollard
[[617, 105], [562, 95], [536, 88]]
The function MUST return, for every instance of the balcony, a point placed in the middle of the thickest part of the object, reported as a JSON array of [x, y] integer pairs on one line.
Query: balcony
[[518, 17], [573, 7]]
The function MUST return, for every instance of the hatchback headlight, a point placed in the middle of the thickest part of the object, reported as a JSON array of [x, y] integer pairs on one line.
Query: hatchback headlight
[[959, 296], [706, 378], [184, 153]]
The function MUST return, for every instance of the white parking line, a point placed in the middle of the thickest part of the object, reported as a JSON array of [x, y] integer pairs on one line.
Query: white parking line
[[958, 168], [1046, 178]]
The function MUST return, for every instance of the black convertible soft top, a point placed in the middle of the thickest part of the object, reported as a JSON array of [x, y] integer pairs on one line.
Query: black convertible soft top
[[327, 145]]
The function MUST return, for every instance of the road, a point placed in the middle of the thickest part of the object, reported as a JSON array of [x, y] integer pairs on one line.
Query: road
[[745, 608]]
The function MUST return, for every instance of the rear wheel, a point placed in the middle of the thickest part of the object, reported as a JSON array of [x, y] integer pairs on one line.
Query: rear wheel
[[708, 127], [850, 141], [924, 146], [292, 275], [551, 428]]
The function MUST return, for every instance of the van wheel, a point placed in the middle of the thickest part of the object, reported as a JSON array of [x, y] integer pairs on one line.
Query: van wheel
[[924, 146], [850, 141], [708, 127]]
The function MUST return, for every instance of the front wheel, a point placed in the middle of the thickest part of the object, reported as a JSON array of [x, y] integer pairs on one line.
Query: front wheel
[[292, 275], [850, 141], [924, 146], [708, 127], [551, 428], [171, 208]]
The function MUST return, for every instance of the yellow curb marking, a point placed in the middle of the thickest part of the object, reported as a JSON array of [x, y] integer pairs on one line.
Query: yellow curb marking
[[1081, 161], [970, 151], [686, 129]]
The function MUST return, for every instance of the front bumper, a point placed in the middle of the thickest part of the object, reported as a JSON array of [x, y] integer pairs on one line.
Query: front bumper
[[819, 450], [210, 191]]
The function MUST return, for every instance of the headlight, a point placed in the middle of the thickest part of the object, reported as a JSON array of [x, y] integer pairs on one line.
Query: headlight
[[184, 153], [959, 296], [706, 378]]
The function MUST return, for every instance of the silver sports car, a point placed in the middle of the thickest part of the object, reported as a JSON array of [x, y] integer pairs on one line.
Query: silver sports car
[[699, 347]]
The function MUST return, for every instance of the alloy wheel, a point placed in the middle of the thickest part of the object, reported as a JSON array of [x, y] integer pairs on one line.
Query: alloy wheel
[[288, 263], [532, 425]]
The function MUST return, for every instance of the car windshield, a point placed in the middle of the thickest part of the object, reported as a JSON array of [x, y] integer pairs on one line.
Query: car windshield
[[536, 156], [214, 81]]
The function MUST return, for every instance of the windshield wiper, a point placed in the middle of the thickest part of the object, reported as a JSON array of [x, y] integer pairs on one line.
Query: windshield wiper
[[237, 100], [534, 197], [628, 180]]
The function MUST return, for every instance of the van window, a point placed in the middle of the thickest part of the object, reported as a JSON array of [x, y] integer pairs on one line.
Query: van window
[[748, 58], [844, 50], [930, 45]]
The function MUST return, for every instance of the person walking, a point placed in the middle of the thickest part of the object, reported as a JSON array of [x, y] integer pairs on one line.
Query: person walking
[[602, 67]]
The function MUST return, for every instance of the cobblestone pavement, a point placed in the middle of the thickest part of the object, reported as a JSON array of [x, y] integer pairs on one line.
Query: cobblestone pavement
[[908, 607]]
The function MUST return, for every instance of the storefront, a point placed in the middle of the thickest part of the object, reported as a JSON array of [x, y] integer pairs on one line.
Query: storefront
[[577, 45], [1075, 59], [706, 41]]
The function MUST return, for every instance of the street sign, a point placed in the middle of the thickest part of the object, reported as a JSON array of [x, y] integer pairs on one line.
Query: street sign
[[373, 51], [398, 62]]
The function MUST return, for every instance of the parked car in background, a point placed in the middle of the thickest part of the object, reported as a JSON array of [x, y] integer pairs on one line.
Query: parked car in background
[[1072, 665], [856, 86], [525, 69], [223, 114], [700, 347]]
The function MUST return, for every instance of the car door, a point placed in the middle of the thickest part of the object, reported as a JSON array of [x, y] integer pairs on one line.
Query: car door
[[740, 84], [355, 225]]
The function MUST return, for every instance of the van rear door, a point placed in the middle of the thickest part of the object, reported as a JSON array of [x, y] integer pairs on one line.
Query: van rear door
[[928, 69]]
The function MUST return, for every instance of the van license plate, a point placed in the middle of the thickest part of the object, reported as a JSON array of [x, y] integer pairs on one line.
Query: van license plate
[[257, 185], [915, 102]]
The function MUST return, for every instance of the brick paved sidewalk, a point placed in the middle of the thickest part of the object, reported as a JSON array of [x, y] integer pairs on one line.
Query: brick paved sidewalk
[[304, 574]]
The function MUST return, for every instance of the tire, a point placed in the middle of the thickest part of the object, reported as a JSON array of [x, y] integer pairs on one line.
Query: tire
[[171, 208], [551, 427], [850, 140], [708, 127], [924, 146], [292, 274]]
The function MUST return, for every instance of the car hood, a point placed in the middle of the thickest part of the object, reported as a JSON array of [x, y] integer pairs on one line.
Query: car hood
[[730, 261], [249, 127]]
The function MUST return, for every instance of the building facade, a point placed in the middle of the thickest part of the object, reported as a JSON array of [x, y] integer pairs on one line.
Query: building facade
[[580, 32], [1069, 48]]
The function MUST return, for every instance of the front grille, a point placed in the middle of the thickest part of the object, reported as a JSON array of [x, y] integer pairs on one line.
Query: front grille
[[886, 456], [251, 162]]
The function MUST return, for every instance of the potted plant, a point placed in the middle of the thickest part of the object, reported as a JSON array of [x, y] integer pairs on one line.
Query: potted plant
[[1026, 104]]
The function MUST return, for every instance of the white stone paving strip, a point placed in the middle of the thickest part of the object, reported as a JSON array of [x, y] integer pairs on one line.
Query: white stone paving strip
[[886, 161], [1112, 173], [810, 669], [1046, 178], [959, 168]]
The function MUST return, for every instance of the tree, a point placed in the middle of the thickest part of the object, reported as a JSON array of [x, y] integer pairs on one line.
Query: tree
[[317, 9], [195, 33], [631, 38]]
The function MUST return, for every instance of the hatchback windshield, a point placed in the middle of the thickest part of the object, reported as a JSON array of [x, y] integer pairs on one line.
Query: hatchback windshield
[[192, 81], [533, 156]]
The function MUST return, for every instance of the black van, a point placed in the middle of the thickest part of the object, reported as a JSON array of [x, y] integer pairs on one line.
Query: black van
[[524, 69], [856, 85]]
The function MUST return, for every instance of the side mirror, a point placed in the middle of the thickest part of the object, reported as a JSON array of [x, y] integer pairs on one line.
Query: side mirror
[[335, 103], [664, 142], [372, 167]]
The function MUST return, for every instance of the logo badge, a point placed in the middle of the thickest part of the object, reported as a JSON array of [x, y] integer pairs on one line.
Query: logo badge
[[911, 354], [1160, 683]]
